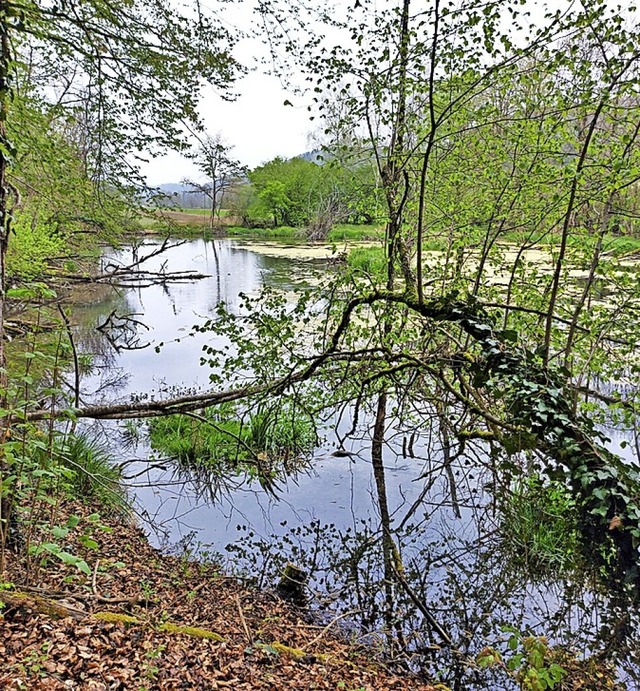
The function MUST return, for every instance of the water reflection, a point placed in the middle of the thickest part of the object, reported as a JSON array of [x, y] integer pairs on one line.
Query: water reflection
[[453, 580]]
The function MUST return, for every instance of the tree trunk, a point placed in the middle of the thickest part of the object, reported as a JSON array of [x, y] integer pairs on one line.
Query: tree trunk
[[383, 506], [5, 227], [391, 557], [395, 179]]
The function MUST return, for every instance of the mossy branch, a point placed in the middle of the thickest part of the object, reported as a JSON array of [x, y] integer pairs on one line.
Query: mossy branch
[[59, 610]]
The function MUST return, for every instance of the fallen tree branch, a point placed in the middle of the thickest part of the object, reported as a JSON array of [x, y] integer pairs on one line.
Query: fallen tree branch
[[60, 610]]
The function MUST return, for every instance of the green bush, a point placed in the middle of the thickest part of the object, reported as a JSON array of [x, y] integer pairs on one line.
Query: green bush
[[31, 246], [45, 470]]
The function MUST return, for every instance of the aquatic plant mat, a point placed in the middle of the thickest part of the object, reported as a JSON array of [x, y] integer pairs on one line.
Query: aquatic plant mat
[[143, 620]]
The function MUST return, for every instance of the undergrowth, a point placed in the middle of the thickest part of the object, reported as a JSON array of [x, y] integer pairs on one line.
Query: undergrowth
[[539, 527]]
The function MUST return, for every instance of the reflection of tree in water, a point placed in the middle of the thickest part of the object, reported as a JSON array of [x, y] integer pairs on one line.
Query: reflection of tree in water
[[123, 330], [212, 483], [437, 578], [98, 356], [454, 581]]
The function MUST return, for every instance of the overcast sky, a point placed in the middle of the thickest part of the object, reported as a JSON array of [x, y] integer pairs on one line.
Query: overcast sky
[[257, 124]]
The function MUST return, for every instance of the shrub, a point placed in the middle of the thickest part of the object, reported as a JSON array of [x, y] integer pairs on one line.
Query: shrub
[[32, 246]]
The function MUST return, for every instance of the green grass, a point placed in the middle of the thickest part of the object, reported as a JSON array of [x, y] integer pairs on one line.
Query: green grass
[[82, 466], [369, 260], [151, 223], [195, 212], [285, 232], [345, 231], [224, 438], [340, 232], [93, 475], [617, 245], [223, 213], [539, 527]]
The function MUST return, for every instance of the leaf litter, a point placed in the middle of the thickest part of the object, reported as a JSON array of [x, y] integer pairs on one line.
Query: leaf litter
[[148, 621]]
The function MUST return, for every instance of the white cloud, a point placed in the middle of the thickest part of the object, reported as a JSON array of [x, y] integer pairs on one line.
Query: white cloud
[[257, 124]]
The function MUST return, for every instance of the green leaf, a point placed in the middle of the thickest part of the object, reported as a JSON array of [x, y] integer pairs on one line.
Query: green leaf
[[73, 521], [89, 543], [73, 560]]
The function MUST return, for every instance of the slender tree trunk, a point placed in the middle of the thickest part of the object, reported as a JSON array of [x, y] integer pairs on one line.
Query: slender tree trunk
[[582, 161], [5, 227], [427, 155], [392, 562], [395, 179], [396, 184], [388, 546]]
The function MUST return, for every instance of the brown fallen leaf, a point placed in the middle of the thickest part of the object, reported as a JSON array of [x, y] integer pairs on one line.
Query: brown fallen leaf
[[616, 522]]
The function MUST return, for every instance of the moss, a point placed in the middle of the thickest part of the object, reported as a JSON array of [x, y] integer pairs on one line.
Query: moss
[[166, 627], [296, 653], [114, 616], [483, 434], [195, 631]]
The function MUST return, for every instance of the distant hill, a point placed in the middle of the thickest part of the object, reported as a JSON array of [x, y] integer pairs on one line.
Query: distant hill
[[181, 196], [315, 156], [172, 188]]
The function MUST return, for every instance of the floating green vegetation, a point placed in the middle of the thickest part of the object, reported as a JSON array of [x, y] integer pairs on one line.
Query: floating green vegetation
[[230, 436], [539, 527]]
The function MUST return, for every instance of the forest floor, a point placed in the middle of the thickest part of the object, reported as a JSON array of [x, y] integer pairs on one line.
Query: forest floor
[[143, 620]]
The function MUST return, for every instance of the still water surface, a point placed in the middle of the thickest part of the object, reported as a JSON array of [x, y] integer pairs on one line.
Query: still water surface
[[451, 549], [334, 488]]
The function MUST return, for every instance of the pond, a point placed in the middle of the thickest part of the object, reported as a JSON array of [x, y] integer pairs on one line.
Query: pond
[[466, 574], [328, 489]]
